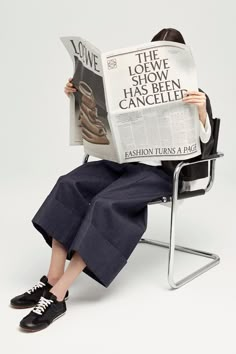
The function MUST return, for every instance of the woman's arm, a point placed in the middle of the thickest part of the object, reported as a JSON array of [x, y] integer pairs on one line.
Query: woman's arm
[[69, 88], [199, 99], [205, 131], [202, 101]]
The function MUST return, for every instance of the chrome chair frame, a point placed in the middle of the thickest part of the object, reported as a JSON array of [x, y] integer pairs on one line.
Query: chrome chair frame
[[215, 259], [174, 199]]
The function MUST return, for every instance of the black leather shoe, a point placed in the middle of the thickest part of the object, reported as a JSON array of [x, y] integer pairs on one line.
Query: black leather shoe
[[47, 310], [32, 296]]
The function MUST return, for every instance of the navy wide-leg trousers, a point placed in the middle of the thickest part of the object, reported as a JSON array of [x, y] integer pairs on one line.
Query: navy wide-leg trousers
[[99, 209]]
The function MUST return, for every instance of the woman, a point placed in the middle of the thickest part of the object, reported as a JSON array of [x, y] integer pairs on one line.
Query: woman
[[95, 216]]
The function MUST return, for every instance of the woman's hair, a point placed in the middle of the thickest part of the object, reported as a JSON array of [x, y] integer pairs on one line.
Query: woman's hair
[[169, 34]]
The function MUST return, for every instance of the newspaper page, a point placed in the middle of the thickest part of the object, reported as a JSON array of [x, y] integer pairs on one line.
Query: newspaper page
[[144, 89], [89, 125]]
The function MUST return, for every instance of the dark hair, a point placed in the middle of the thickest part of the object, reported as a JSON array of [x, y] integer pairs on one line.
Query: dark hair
[[169, 34]]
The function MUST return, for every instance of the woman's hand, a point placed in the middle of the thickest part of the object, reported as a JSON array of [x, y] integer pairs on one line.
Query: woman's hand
[[69, 88], [199, 99]]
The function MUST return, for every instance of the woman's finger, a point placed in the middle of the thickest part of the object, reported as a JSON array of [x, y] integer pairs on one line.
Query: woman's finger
[[187, 98], [194, 101], [203, 97], [195, 93], [70, 86], [70, 89], [69, 92]]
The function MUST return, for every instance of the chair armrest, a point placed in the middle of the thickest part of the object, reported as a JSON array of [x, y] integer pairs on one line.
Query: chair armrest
[[210, 157], [196, 192], [85, 158]]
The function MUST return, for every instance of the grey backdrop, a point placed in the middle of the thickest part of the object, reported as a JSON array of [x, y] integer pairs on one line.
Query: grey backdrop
[[34, 150], [35, 67]]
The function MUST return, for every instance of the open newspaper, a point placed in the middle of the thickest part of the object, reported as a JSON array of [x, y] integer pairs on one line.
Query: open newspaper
[[128, 104]]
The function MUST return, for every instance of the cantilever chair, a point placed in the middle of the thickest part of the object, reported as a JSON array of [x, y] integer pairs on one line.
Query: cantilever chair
[[173, 201]]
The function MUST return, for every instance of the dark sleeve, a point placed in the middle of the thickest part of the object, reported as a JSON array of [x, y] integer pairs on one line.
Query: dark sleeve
[[206, 148]]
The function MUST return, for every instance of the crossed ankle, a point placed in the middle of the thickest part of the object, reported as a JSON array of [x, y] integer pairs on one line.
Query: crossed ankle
[[59, 294], [53, 281]]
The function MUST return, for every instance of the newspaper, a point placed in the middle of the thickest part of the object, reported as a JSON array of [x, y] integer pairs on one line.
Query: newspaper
[[128, 104]]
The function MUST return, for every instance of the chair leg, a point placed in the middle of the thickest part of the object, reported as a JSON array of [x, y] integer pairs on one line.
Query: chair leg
[[172, 247]]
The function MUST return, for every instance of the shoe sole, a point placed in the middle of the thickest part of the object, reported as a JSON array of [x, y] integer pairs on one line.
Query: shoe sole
[[21, 307], [36, 330], [27, 307]]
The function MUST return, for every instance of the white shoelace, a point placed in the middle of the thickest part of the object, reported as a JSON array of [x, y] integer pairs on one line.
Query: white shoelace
[[40, 284], [42, 305]]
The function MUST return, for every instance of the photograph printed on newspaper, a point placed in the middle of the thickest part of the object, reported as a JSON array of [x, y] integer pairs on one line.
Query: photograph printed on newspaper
[[89, 125]]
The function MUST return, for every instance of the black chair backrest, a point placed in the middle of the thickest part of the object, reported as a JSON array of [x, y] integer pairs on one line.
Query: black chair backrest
[[216, 129]]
